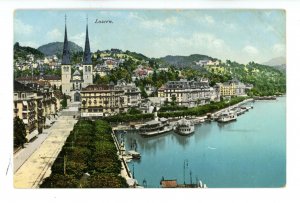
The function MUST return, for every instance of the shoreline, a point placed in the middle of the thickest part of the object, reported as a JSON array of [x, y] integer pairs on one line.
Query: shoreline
[[232, 106], [196, 119]]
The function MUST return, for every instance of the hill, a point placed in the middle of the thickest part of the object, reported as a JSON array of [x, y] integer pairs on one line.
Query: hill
[[276, 61], [22, 52], [56, 48], [185, 61]]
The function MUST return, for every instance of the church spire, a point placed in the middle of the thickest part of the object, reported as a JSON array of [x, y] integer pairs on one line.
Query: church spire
[[66, 51], [87, 60]]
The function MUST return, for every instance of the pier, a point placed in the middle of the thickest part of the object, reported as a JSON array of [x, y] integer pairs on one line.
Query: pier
[[217, 113]]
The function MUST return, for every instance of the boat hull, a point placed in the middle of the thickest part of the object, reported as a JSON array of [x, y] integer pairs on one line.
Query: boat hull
[[226, 120], [149, 134], [184, 133]]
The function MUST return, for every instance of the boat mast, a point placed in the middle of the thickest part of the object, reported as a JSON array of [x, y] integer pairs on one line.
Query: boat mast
[[185, 165]]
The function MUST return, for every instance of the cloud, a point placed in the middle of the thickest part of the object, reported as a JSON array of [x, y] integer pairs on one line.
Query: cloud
[[159, 24], [198, 42], [22, 28], [206, 19], [278, 49], [269, 28], [29, 44], [78, 39], [134, 15], [156, 24], [209, 19], [250, 50], [229, 26], [55, 34]]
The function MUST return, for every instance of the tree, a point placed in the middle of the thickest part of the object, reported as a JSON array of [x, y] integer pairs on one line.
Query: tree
[[143, 92], [64, 102], [19, 132], [83, 103], [96, 79], [173, 100], [154, 77], [133, 111]]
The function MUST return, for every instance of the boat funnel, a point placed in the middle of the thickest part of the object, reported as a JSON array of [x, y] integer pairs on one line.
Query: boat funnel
[[155, 116]]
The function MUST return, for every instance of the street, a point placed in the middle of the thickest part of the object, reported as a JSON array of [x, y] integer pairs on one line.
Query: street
[[33, 163]]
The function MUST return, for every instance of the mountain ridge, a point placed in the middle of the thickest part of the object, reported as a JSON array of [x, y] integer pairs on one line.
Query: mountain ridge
[[56, 48], [275, 61], [185, 61]]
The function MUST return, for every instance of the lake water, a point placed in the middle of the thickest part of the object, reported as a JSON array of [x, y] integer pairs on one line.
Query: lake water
[[249, 152]]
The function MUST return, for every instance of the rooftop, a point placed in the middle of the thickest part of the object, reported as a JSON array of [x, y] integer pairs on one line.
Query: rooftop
[[19, 87], [168, 183]]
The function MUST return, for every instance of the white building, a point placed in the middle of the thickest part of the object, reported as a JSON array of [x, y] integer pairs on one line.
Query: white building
[[187, 93]]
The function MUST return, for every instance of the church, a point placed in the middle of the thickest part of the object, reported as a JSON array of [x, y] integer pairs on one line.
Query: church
[[73, 83]]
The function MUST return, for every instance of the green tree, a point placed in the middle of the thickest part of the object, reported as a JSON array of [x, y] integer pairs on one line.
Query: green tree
[[133, 111], [173, 103], [19, 132], [143, 92], [64, 102]]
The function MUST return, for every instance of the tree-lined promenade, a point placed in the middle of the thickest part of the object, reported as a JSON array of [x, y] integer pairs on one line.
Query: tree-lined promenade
[[88, 159], [32, 163]]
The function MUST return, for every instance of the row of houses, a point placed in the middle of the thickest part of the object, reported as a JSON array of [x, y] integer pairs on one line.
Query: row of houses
[[110, 99], [37, 105], [31, 62], [207, 63]]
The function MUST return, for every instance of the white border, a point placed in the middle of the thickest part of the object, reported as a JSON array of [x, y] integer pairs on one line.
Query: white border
[[287, 194]]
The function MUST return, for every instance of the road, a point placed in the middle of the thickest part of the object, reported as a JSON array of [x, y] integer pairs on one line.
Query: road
[[33, 164]]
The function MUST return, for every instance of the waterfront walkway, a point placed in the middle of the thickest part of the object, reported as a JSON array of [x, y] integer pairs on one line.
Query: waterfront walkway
[[230, 107], [33, 164]]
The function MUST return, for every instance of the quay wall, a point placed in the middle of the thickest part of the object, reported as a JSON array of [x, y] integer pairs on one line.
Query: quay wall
[[127, 173]]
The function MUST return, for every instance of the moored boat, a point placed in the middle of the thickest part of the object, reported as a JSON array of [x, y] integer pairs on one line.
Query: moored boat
[[227, 116], [184, 127], [134, 154], [155, 127]]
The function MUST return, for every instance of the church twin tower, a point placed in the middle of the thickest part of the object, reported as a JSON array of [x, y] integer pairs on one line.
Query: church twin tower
[[72, 84]]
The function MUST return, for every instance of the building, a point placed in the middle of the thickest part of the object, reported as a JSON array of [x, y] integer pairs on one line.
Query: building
[[53, 80], [132, 94], [73, 83], [28, 107], [36, 105], [207, 63], [226, 89], [232, 88], [101, 100], [240, 88], [143, 71], [150, 90], [107, 100], [187, 93], [101, 70]]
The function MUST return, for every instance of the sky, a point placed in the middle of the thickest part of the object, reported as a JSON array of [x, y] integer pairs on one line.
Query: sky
[[238, 35]]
